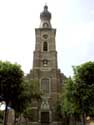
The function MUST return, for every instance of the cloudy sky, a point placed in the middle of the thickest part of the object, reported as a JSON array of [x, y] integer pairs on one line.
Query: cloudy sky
[[73, 19]]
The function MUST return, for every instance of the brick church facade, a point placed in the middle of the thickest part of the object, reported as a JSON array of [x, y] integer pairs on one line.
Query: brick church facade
[[45, 71]]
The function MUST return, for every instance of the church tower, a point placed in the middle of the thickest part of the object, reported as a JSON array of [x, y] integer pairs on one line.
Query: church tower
[[45, 70]]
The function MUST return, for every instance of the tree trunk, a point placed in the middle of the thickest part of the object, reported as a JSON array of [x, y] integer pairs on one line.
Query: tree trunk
[[74, 120], [83, 119], [6, 114]]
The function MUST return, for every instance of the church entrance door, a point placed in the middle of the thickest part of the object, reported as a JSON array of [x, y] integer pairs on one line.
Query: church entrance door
[[45, 117]]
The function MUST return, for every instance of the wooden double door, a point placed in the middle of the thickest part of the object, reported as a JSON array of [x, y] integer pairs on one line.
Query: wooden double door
[[45, 117]]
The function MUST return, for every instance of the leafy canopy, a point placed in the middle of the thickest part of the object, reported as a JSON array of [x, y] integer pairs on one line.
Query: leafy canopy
[[84, 80], [11, 83]]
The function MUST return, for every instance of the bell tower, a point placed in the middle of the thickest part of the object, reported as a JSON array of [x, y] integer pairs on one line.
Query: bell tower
[[45, 48], [45, 70]]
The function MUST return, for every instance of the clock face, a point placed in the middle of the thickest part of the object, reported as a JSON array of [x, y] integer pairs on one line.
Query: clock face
[[45, 36]]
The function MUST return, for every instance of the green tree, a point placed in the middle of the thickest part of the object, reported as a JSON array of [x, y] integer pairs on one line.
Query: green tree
[[68, 90], [11, 84], [32, 93], [84, 81], [77, 96], [69, 108]]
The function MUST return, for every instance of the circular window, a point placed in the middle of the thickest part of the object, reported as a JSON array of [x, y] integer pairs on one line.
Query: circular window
[[45, 36]]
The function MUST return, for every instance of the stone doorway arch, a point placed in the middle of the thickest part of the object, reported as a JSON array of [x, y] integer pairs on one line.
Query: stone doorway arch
[[45, 112]]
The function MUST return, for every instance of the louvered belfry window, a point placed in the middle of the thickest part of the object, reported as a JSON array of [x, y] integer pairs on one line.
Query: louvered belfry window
[[45, 46]]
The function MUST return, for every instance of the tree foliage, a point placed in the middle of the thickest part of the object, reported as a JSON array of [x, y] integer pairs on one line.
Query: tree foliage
[[68, 96], [11, 80], [32, 93], [77, 97], [84, 79], [69, 107], [11, 86], [32, 89]]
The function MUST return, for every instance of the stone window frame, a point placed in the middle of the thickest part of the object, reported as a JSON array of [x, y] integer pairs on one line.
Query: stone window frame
[[48, 94], [45, 62], [45, 25], [45, 46], [45, 36]]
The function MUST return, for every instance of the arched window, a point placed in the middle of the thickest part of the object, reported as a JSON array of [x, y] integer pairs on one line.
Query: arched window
[[45, 25], [45, 85], [45, 46]]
